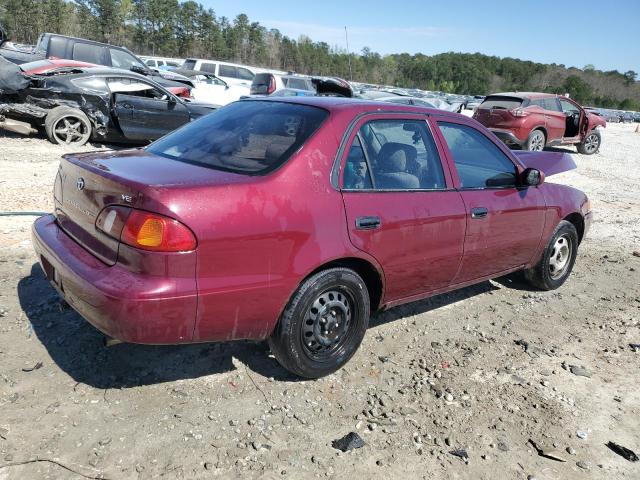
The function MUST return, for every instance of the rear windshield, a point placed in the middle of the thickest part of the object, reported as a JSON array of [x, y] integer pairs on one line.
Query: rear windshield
[[507, 103], [252, 137], [260, 84]]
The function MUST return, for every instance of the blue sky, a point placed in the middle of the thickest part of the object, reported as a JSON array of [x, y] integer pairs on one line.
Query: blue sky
[[603, 33]]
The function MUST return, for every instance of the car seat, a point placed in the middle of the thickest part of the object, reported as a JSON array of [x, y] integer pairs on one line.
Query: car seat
[[392, 167]]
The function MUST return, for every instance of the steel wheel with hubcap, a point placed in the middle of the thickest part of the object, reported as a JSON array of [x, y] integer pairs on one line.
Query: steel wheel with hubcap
[[557, 260], [323, 324], [559, 257]]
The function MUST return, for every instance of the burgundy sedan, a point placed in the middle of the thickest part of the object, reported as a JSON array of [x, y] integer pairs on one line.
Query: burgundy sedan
[[293, 219]]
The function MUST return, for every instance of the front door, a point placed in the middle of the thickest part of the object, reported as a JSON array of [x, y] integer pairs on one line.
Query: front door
[[400, 205], [145, 112], [504, 221]]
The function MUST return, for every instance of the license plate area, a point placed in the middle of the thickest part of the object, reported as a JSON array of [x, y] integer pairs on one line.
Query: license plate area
[[51, 273]]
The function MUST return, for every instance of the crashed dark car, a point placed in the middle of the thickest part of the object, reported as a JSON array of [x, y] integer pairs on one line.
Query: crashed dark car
[[98, 104]]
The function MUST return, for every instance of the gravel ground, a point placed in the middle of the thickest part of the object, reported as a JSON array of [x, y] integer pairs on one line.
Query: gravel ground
[[486, 369]]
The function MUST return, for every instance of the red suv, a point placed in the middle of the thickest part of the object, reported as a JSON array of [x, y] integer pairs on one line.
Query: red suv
[[536, 120], [293, 219]]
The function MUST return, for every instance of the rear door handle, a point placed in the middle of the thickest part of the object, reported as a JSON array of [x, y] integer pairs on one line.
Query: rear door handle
[[368, 223], [479, 212]]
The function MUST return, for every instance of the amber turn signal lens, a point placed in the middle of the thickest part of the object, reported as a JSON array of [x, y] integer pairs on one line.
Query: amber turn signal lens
[[150, 231]]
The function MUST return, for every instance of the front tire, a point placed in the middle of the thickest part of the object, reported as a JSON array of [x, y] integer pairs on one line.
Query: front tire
[[323, 324], [591, 143], [536, 141], [557, 260]]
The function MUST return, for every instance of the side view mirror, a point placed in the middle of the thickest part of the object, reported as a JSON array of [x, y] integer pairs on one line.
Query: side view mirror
[[226, 87], [532, 177]]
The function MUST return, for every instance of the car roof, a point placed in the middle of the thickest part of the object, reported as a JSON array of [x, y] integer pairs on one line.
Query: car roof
[[344, 103], [529, 95]]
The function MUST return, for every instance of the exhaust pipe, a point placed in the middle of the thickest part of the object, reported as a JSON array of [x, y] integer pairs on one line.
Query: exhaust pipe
[[110, 342], [17, 126]]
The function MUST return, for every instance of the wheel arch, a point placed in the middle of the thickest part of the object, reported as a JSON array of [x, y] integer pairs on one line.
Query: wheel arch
[[372, 276], [577, 221]]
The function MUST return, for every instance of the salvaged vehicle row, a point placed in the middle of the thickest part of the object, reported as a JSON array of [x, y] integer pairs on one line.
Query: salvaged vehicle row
[[292, 219], [100, 104]]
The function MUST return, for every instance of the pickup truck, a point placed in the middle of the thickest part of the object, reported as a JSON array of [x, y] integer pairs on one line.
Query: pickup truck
[[54, 46]]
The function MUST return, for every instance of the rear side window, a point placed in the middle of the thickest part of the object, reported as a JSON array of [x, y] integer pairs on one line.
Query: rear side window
[[250, 137], [479, 162], [84, 52], [57, 47], [400, 155], [299, 83], [551, 104], [228, 71], [506, 103], [205, 67], [190, 65]]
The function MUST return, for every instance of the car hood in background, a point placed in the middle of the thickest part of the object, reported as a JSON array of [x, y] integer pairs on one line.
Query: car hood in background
[[550, 163]]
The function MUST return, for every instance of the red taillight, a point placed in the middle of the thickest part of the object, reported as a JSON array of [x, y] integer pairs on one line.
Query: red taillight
[[519, 112], [150, 231], [272, 85], [146, 230]]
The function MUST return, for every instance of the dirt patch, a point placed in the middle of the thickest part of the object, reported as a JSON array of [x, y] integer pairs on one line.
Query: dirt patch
[[483, 370]]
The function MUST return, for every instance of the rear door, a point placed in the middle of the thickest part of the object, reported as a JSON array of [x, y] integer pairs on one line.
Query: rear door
[[555, 120], [504, 221], [400, 205], [143, 111]]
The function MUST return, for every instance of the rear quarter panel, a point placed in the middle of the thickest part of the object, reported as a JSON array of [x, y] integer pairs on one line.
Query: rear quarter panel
[[259, 240]]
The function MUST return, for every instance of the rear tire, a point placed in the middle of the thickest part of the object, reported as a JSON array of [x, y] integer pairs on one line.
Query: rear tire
[[67, 126], [536, 141], [557, 260], [323, 324], [591, 143]]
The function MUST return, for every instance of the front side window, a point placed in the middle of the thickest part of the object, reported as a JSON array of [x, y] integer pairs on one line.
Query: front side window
[[394, 155], [245, 74], [568, 107], [479, 162], [250, 137], [124, 60], [132, 86]]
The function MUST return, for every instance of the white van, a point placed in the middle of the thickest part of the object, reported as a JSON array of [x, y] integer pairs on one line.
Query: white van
[[162, 63], [231, 73]]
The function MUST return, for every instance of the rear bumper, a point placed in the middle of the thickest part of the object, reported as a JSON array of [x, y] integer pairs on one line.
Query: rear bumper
[[125, 305], [507, 136]]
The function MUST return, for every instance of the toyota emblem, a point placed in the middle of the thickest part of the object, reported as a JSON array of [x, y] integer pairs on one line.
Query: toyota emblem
[[80, 183]]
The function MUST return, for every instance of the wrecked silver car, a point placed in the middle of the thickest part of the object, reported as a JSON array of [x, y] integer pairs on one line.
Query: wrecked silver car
[[74, 106]]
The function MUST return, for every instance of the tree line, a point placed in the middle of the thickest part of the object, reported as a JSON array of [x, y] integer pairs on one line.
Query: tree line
[[188, 29]]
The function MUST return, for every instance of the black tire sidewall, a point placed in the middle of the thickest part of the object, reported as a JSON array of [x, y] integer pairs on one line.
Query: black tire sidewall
[[562, 229], [286, 340]]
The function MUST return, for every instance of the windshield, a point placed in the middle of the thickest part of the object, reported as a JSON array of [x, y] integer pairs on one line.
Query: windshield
[[251, 137]]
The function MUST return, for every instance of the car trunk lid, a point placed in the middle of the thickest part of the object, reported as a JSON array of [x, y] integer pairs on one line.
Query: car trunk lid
[[87, 183]]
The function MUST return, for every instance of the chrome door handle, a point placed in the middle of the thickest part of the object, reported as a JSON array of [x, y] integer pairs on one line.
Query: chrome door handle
[[479, 212], [368, 223]]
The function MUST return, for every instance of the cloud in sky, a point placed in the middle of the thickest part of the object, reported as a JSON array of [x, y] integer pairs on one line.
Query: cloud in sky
[[377, 38]]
